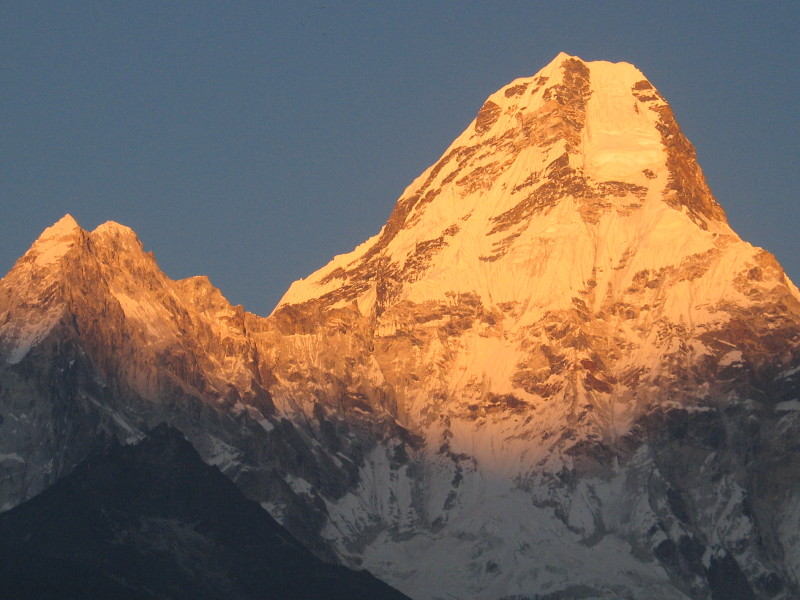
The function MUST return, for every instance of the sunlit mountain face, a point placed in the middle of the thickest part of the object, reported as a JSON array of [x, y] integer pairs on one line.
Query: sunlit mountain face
[[555, 372]]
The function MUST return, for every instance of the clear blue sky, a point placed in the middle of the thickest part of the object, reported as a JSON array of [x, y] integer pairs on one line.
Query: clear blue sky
[[251, 142]]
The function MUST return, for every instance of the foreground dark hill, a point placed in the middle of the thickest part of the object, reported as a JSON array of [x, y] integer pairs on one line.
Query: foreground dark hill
[[151, 521]]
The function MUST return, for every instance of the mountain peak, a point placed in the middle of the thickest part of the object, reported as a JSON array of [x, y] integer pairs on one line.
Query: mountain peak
[[55, 241], [112, 228], [116, 239], [58, 239], [539, 298], [555, 65], [556, 341], [593, 65], [65, 226], [562, 56], [561, 158], [67, 222]]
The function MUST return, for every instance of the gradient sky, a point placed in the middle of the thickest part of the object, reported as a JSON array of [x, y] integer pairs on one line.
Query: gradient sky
[[251, 142]]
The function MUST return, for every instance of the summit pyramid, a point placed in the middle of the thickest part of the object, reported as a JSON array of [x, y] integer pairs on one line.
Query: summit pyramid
[[565, 252]]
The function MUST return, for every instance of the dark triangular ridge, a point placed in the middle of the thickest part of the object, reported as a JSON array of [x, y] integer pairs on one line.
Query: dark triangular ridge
[[153, 520]]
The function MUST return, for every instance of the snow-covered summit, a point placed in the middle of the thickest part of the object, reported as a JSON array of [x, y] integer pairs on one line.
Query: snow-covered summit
[[582, 160], [557, 282], [55, 241], [558, 277], [568, 224], [64, 235], [65, 224], [113, 229], [69, 274]]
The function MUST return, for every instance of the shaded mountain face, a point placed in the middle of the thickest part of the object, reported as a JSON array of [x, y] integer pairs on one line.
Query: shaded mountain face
[[556, 370], [152, 520], [97, 342]]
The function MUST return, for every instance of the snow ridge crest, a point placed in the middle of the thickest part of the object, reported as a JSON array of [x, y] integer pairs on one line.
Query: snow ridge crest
[[579, 146]]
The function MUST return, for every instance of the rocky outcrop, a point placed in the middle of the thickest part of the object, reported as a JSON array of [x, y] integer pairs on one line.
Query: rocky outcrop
[[98, 344]]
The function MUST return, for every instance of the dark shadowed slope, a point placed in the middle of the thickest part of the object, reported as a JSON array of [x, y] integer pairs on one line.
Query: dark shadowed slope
[[154, 521]]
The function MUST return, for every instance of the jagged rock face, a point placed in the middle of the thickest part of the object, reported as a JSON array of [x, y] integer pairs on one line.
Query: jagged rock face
[[560, 276], [565, 245], [555, 371], [96, 342]]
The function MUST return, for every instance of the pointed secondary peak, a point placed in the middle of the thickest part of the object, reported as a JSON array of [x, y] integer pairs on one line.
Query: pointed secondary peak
[[560, 62], [116, 240], [55, 241], [68, 221], [565, 81], [113, 228], [561, 57], [574, 72], [195, 286], [66, 225]]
